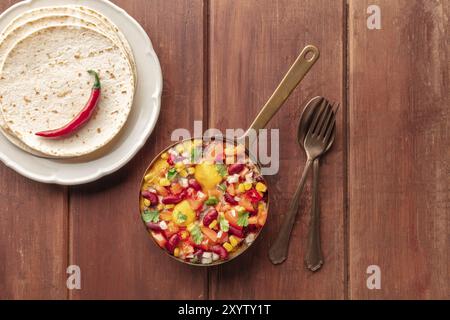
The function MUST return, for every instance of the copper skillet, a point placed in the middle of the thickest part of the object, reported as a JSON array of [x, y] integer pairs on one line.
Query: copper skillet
[[296, 73]]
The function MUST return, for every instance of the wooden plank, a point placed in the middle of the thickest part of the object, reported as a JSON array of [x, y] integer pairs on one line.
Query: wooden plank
[[399, 156], [33, 244], [252, 45], [109, 243]]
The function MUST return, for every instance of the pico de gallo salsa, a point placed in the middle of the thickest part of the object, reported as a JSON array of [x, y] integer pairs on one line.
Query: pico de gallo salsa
[[204, 201]]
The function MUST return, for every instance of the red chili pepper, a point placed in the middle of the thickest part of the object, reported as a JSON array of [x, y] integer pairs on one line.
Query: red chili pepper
[[82, 117]]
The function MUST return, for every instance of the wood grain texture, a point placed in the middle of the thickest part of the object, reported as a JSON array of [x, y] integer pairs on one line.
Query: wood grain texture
[[33, 246], [252, 45], [108, 240], [399, 160]]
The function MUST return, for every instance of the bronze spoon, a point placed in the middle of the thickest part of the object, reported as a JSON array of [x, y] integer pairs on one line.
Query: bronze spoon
[[314, 258]]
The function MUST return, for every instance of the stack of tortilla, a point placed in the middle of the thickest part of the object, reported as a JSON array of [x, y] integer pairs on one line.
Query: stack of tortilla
[[44, 58]]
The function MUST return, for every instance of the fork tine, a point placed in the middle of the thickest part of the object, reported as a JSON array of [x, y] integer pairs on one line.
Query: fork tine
[[331, 124], [326, 118], [316, 117]]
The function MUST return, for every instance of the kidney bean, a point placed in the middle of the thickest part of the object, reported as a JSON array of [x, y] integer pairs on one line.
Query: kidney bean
[[235, 168], [210, 216], [229, 198], [194, 185], [152, 197], [173, 242], [171, 199], [220, 251], [235, 231], [153, 226]]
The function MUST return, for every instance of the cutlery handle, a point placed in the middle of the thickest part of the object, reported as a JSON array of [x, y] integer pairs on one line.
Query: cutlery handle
[[296, 73], [279, 250], [314, 258]]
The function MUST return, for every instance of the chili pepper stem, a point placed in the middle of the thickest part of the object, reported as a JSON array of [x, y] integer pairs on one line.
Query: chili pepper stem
[[97, 84]]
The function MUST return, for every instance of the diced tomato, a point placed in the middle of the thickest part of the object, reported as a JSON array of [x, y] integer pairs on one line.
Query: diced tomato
[[186, 248], [253, 220], [223, 238], [195, 204], [262, 216], [253, 195], [160, 239], [166, 216], [220, 207], [232, 219], [215, 193], [161, 191], [231, 189], [176, 188], [210, 234], [172, 228], [246, 203]]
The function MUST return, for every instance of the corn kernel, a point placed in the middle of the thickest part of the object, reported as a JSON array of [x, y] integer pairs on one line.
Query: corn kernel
[[184, 234], [163, 182], [228, 246], [147, 203], [191, 170], [160, 207], [169, 206], [241, 188], [176, 252], [213, 224], [179, 165], [165, 156], [198, 143], [183, 173], [247, 186], [148, 177], [261, 187], [234, 241]]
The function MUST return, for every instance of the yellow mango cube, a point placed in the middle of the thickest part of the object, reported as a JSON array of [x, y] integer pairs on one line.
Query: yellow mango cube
[[261, 187], [234, 241], [164, 182]]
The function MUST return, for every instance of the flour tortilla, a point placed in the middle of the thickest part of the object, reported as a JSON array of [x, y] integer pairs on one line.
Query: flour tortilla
[[102, 23], [8, 42], [44, 84], [50, 16]]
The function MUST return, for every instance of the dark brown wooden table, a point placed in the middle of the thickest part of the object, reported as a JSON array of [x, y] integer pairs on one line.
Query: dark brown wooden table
[[385, 194]]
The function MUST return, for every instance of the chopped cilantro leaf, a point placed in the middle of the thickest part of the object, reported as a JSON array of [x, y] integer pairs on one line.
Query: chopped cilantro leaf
[[243, 219], [150, 216]]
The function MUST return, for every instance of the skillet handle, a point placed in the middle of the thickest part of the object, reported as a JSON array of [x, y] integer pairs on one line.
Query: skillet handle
[[298, 70]]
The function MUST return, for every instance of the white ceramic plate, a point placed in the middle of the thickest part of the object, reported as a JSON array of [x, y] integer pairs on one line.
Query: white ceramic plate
[[141, 122]]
